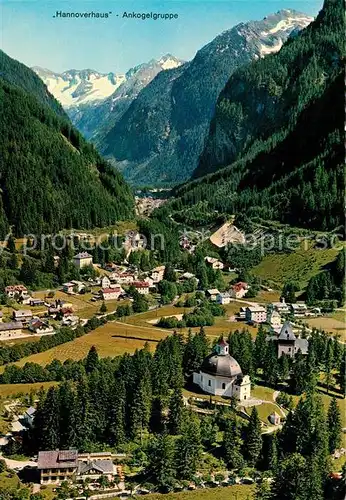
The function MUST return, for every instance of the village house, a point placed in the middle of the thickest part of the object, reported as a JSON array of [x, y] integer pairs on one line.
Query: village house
[[214, 263], [16, 290], [256, 314], [57, 466], [70, 321], [63, 465], [223, 298], [36, 302], [238, 291], [111, 293], [10, 330], [68, 287], [36, 325], [274, 319], [212, 294], [83, 259], [221, 375], [125, 278], [142, 287], [105, 282], [299, 309], [157, 274], [282, 307], [29, 416], [23, 316], [289, 344]]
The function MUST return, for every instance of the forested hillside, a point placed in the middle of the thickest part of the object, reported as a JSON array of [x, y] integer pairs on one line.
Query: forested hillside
[[279, 130], [20, 75], [50, 177], [161, 136]]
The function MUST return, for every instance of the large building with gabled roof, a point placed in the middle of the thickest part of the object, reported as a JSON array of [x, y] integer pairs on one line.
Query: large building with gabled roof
[[289, 344]]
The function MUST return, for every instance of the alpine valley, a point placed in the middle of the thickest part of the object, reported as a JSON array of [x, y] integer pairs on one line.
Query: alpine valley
[[179, 334], [174, 106]]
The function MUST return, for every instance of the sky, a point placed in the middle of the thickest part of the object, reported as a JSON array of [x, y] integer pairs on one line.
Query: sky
[[31, 33]]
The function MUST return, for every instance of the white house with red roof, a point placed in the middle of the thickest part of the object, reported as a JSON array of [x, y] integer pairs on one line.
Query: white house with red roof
[[239, 290], [142, 287], [112, 293]]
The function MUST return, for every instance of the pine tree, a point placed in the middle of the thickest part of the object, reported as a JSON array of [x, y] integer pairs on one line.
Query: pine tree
[[176, 409], [314, 482], [284, 367], [189, 448], [273, 453], [116, 419], [290, 481], [253, 442], [231, 445], [334, 426], [161, 465], [103, 308], [329, 363], [92, 360]]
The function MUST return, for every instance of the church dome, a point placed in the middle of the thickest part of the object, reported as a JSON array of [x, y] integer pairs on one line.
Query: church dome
[[221, 365]]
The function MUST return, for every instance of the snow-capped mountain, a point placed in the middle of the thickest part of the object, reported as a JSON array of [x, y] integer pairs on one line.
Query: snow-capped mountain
[[74, 87], [92, 118], [161, 135]]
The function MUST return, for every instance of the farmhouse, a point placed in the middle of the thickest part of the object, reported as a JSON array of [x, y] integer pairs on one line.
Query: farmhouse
[[36, 325], [111, 293], [36, 302], [214, 263], [10, 330], [142, 287], [105, 282], [282, 307], [212, 294], [256, 314], [274, 319], [223, 298], [68, 287], [157, 274], [238, 290], [22, 315], [221, 375], [299, 310], [13, 290], [83, 259]]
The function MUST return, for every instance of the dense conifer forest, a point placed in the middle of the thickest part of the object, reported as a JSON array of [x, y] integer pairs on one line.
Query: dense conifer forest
[[51, 178], [279, 132]]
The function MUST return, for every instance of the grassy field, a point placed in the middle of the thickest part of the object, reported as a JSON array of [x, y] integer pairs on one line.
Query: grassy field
[[9, 390], [236, 492], [111, 339], [334, 324], [298, 266]]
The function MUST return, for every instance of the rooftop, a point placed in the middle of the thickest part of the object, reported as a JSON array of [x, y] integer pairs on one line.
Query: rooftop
[[57, 459]]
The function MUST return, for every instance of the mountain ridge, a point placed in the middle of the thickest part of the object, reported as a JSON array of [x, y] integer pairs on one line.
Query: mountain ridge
[[175, 109]]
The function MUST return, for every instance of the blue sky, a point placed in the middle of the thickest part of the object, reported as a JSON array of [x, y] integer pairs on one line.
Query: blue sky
[[31, 34]]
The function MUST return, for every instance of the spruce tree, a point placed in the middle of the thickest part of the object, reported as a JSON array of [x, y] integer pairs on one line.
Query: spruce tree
[[231, 446], [253, 440], [92, 360], [161, 465], [176, 409], [290, 480], [273, 453], [334, 426], [189, 448]]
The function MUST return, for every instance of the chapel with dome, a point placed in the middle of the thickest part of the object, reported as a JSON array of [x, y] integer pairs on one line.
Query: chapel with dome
[[221, 375]]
